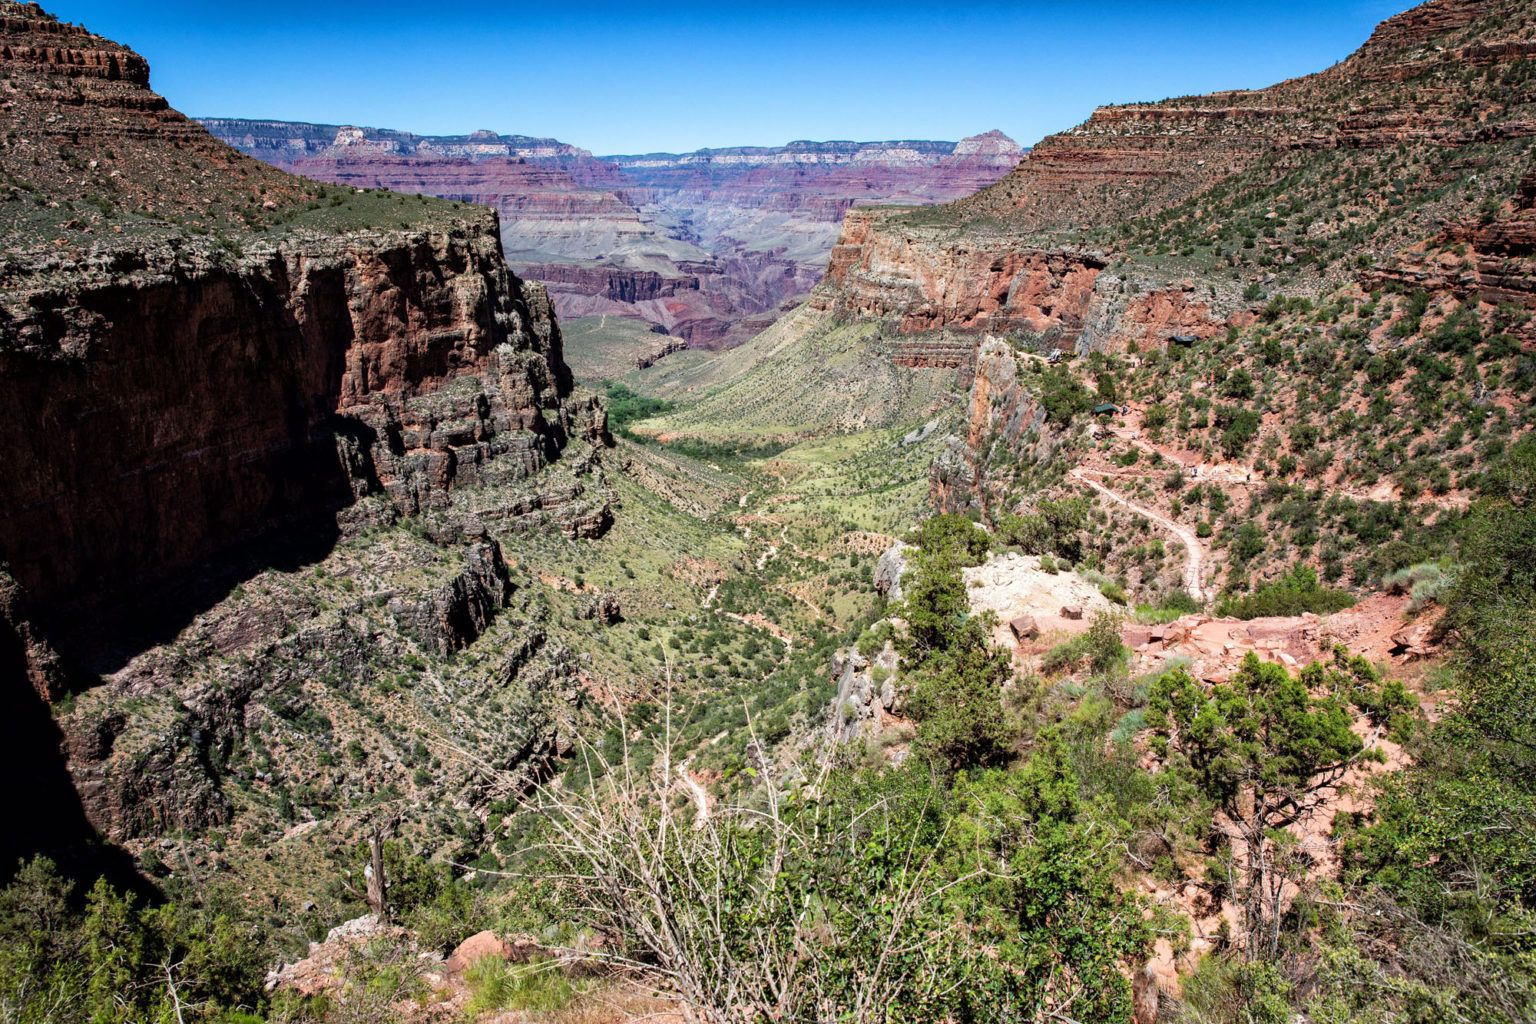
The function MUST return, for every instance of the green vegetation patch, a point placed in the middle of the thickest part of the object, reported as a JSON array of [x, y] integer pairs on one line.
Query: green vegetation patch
[[1295, 593]]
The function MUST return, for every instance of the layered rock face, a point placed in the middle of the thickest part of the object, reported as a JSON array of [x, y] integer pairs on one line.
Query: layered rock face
[[1494, 259], [1127, 161], [735, 200], [286, 144], [1051, 249], [1063, 298], [195, 402], [174, 396], [695, 243], [894, 274]]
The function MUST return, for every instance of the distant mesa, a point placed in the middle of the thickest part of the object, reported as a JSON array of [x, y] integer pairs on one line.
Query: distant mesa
[[992, 143]]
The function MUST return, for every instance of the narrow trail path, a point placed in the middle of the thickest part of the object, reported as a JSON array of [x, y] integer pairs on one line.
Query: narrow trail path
[[767, 556], [1194, 567], [699, 794], [757, 620]]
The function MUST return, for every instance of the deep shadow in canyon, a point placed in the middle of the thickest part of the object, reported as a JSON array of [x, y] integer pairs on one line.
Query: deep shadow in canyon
[[44, 808]]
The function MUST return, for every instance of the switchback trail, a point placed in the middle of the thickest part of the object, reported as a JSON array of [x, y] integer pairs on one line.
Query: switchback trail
[[1194, 567]]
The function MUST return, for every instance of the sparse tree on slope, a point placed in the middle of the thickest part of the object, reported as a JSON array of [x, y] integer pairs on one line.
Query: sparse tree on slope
[[1264, 750]]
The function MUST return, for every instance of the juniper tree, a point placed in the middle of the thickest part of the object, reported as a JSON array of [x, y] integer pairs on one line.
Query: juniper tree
[[1264, 749]]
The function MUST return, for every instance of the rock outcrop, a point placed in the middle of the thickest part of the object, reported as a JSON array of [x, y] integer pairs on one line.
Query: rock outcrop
[[891, 570], [454, 615], [868, 699], [1003, 415]]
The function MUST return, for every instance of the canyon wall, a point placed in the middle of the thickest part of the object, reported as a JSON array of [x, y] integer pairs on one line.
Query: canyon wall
[[184, 370], [196, 401], [1003, 415], [1064, 298], [226, 386]]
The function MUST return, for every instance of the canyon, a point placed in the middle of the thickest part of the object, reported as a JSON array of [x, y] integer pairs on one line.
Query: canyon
[[1206, 224], [708, 247], [935, 484]]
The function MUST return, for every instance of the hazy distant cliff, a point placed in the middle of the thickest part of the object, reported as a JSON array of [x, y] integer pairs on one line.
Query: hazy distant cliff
[[692, 242]]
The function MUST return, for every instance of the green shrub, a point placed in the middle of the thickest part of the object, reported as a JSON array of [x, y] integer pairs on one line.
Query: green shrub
[[1101, 648], [956, 701], [1295, 593], [953, 538], [1242, 428], [1173, 605], [1424, 581], [993, 898]]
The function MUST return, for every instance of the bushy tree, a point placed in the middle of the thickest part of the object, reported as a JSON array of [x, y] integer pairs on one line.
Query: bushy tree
[[953, 539], [956, 701], [118, 961], [1052, 528], [1263, 749], [934, 607], [1063, 395], [1450, 859]]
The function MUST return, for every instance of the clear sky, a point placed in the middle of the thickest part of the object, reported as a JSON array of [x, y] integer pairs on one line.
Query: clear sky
[[681, 75]]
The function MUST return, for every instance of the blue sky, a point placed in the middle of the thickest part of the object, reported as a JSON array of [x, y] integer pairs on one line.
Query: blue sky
[[680, 75]]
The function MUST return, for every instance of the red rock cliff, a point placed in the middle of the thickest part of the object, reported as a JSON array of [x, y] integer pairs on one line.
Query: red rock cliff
[[171, 397], [1055, 248]]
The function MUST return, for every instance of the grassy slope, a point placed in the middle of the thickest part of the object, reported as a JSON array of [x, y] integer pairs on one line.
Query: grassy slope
[[803, 377], [602, 348]]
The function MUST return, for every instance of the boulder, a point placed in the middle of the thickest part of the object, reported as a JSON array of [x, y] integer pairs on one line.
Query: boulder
[[1024, 628], [1136, 636], [1072, 611], [1414, 640], [476, 948]]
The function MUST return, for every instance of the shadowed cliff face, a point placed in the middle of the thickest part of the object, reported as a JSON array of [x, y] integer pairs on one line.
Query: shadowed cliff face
[[174, 398], [198, 350], [214, 372], [45, 814], [202, 402]]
